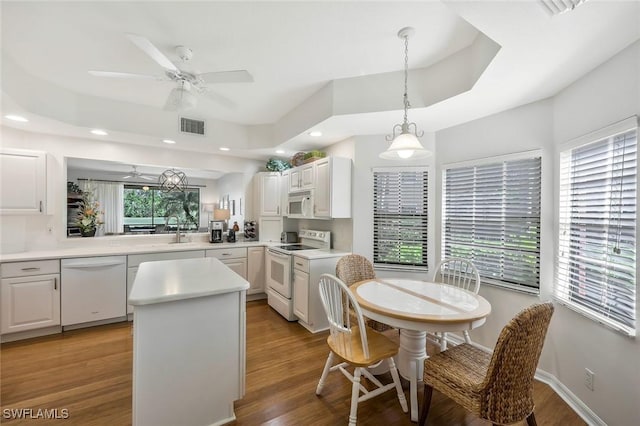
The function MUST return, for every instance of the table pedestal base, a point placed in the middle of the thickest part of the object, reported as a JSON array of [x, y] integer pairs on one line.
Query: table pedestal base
[[411, 356]]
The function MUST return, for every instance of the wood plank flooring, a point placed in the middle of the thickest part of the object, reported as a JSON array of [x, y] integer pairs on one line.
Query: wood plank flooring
[[88, 372]]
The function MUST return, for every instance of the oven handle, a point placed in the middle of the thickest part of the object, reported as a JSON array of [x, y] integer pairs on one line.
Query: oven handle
[[276, 254]]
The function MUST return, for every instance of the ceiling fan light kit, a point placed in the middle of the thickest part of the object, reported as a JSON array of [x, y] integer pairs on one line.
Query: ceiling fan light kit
[[404, 139]]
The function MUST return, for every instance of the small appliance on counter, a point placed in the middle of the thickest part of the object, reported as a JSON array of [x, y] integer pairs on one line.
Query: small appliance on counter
[[215, 231], [288, 237], [250, 230], [231, 236]]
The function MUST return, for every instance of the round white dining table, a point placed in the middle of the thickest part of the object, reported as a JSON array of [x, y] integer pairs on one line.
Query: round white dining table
[[415, 307]]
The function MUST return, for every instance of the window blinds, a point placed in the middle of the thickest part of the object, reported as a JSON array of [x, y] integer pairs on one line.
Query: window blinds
[[491, 216], [596, 264], [400, 217]]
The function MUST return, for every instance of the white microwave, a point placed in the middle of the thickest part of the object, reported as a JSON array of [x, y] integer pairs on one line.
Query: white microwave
[[300, 205]]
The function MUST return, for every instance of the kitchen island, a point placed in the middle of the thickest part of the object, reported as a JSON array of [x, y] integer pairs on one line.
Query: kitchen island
[[189, 342]]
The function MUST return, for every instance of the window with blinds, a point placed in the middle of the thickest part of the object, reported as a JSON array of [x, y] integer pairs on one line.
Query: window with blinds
[[491, 216], [596, 258], [400, 217]]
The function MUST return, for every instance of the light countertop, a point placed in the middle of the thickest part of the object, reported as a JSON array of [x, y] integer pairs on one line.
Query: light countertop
[[121, 249], [171, 280]]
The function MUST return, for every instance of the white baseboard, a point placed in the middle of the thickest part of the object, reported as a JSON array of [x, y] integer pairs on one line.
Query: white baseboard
[[552, 381]]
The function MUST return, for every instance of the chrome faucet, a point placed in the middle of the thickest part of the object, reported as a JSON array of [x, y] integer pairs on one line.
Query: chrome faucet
[[177, 226]]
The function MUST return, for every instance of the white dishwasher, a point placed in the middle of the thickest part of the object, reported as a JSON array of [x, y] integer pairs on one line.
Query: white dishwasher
[[93, 289]]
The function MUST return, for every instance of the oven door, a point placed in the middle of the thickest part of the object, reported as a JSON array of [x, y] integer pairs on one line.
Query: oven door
[[279, 272]]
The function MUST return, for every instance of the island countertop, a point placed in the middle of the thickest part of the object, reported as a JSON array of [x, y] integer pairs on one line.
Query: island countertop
[[171, 280]]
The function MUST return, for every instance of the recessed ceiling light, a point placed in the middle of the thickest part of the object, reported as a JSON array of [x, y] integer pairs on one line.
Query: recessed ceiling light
[[315, 134], [169, 141], [280, 151], [99, 132], [224, 148], [18, 118]]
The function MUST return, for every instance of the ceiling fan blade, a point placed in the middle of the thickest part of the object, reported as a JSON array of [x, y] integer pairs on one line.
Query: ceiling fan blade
[[220, 99], [126, 177], [237, 76], [125, 75], [147, 47], [147, 177]]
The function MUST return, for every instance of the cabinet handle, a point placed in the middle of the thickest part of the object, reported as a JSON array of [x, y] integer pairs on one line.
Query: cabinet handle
[[226, 254], [55, 283], [298, 264], [278, 210], [40, 206], [33, 268]]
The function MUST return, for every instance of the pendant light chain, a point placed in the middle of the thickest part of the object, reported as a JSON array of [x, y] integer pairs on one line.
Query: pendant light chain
[[407, 105]]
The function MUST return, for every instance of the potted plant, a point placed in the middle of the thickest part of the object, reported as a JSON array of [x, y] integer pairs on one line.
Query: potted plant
[[89, 217]]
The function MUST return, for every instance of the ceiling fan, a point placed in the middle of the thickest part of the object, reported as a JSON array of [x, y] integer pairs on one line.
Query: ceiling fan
[[136, 174], [181, 97]]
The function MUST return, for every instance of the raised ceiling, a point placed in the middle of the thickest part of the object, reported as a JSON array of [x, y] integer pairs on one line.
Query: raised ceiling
[[332, 66]]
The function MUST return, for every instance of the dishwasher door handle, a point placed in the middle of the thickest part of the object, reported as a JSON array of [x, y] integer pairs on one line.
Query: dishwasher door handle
[[90, 265]]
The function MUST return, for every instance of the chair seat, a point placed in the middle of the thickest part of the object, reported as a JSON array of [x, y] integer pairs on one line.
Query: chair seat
[[459, 373], [348, 348]]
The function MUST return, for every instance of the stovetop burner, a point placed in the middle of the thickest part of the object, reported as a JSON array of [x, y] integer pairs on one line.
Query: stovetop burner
[[294, 247]]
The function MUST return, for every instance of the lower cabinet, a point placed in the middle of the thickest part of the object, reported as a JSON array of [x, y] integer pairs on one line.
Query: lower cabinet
[[93, 289], [255, 269], [134, 260], [301, 292], [30, 295], [234, 257]]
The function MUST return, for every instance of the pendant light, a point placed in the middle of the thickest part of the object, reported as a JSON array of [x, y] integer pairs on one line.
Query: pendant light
[[405, 144], [173, 180]]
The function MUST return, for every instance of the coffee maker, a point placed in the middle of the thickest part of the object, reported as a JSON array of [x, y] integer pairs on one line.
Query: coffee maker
[[216, 228]]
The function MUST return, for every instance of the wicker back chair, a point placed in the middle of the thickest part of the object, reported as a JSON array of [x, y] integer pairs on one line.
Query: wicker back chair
[[353, 268], [497, 387], [354, 344]]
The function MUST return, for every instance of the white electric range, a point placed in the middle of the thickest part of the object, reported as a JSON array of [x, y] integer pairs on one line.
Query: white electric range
[[280, 267]]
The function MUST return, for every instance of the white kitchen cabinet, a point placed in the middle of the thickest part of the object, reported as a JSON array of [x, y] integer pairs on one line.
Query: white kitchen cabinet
[[93, 289], [307, 306], [301, 178], [301, 295], [332, 195], [269, 194], [134, 261], [30, 295], [234, 257], [23, 177], [255, 270]]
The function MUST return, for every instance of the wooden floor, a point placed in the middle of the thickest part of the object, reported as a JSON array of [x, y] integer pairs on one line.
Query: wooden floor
[[88, 372]]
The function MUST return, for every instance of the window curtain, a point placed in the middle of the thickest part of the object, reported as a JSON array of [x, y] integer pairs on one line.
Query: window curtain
[[111, 198]]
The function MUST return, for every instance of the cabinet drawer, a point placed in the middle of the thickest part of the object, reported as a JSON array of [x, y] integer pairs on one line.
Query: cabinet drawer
[[228, 253], [137, 259], [301, 264], [24, 269]]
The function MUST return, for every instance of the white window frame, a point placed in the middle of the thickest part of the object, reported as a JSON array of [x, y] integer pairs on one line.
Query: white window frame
[[604, 133], [402, 267], [486, 161]]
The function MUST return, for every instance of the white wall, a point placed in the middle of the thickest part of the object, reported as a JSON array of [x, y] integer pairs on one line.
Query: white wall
[[18, 233], [606, 95]]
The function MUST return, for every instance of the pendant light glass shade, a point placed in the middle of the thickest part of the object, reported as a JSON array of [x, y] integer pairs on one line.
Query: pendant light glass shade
[[405, 145]]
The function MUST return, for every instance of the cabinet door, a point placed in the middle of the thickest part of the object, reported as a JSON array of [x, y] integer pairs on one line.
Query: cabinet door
[[307, 177], [322, 194], [301, 295], [239, 266], [22, 182], [255, 270], [270, 194], [30, 302], [131, 277], [295, 180]]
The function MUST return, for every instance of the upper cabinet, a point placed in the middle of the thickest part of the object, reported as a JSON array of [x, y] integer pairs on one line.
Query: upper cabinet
[[270, 201], [302, 178], [22, 182], [332, 191]]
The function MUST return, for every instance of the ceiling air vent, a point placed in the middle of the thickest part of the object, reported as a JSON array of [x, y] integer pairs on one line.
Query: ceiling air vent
[[194, 127], [556, 7]]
